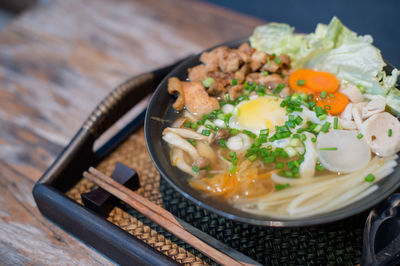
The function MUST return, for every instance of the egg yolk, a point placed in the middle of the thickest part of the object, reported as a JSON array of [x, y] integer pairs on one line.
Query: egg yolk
[[261, 113]]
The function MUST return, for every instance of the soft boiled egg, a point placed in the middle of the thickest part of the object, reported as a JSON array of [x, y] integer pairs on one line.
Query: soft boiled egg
[[259, 113]]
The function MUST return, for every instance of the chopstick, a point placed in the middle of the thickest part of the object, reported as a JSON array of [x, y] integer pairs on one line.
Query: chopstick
[[157, 215]]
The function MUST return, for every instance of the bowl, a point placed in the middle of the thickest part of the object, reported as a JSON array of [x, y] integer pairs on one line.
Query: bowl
[[160, 106]]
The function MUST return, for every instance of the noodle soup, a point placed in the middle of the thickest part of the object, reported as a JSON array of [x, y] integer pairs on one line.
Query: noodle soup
[[276, 138]]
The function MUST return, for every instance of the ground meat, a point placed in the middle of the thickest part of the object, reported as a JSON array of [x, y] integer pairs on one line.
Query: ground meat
[[271, 66], [270, 81], [245, 47], [212, 59], [285, 60], [217, 88], [235, 91], [222, 134], [224, 64], [197, 73], [197, 100], [240, 75], [258, 59], [175, 87], [230, 63]]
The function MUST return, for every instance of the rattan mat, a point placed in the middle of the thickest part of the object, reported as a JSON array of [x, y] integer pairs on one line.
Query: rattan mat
[[338, 243]]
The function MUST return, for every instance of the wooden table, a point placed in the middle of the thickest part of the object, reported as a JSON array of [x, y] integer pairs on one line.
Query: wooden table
[[57, 61]]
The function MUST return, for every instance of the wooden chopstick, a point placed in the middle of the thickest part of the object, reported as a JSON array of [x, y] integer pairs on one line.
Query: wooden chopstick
[[157, 215]]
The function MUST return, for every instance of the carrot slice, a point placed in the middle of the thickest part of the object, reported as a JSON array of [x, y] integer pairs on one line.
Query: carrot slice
[[298, 77], [334, 105], [322, 81]]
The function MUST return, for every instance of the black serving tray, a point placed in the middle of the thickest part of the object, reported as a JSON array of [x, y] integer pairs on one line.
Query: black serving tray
[[338, 243], [90, 227]]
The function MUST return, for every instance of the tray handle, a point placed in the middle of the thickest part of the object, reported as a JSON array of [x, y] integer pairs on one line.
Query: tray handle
[[118, 102]]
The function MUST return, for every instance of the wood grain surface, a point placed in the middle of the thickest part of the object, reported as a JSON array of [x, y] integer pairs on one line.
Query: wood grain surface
[[57, 61]]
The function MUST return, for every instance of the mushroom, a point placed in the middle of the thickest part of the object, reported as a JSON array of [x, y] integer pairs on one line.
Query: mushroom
[[179, 122], [186, 133], [373, 107], [222, 134], [174, 87], [382, 132], [177, 141], [201, 162], [352, 92], [177, 158]]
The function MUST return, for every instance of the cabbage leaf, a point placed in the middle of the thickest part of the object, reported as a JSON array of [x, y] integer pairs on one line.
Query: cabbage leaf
[[336, 49]]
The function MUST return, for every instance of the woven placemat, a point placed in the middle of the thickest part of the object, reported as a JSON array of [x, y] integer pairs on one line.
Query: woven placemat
[[332, 244]]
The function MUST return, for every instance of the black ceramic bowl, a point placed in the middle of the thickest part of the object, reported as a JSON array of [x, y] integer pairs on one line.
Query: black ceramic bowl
[[160, 106]]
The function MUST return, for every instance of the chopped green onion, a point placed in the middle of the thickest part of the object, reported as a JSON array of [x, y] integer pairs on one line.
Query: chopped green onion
[[287, 173], [311, 105], [331, 95], [249, 133], [303, 137], [319, 167], [322, 117], [279, 165], [325, 127], [192, 141], [359, 136], [328, 149], [290, 123], [208, 82], [390, 132], [277, 60], [265, 73], [319, 111], [301, 82], [313, 139], [317, 128], [264, 132], [369, 178], [290, 151], [294, 142], [279, 88], [195, 169], [208, 168], [206, 132], [222, 143], [281, 186], [323, 94], [335, 123], [298, 120], [252, 158], [269, 159], [194, 126], [234, 82], [234, 131], [361, 88], [187, 124], [232, 169]]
